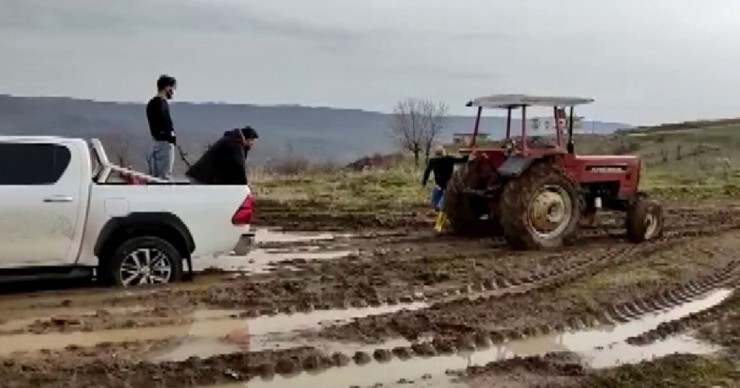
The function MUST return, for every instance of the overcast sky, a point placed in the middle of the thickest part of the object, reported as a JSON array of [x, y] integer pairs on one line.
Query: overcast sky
[[644, 61]]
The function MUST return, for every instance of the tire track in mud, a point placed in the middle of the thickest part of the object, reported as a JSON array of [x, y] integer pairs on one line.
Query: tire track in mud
[[293, 362], [501, 288], [582, 263], [238, 368], [292, 217], [418, 244], [460, 247], [691, 321], [480, 340]]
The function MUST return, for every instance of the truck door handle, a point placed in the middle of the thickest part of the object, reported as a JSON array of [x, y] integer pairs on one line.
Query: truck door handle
[[58, 198]]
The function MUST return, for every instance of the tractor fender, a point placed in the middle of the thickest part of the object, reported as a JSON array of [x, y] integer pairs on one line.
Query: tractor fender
[[515, 165]]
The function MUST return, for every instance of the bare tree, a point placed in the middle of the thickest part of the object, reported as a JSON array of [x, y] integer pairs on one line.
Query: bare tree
[[416, 125]]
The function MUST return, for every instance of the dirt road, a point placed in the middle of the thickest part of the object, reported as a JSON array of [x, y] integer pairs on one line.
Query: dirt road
[[389, 303]]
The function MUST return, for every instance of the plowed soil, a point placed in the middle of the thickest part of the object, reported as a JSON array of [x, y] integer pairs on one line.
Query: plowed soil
[[400, 292]]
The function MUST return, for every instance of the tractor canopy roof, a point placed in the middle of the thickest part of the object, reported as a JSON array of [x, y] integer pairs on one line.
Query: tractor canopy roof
[[506, 101]]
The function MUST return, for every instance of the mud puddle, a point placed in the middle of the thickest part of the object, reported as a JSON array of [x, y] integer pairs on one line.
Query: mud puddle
[[269, 235], [208, 339], [601, 347], [20, 319], [260, 260], [208, 334]]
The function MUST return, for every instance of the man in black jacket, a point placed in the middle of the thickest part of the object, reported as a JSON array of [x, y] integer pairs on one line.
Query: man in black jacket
[[162, 157], [442, 165], [225, 162]]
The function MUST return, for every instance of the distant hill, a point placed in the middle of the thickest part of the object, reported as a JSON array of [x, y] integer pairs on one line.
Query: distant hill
[[685, 125], [320, 134]]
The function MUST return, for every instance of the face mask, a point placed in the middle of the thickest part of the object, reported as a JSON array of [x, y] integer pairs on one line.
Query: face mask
[[169, 94]]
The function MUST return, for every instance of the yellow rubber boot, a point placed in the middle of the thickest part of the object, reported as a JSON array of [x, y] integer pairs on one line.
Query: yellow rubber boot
[[439, 224]]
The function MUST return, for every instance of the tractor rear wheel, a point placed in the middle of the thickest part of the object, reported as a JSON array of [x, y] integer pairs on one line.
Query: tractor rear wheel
[[456, 205], [541, 209], [644, 220]]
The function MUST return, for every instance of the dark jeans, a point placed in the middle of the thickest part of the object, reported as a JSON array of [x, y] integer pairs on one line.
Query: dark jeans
[[438, 195]]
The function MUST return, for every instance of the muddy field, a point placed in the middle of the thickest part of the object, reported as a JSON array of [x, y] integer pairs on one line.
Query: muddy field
[[377, 299]]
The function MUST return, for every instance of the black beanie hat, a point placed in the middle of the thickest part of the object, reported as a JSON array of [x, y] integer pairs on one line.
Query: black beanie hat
[[249, 133]]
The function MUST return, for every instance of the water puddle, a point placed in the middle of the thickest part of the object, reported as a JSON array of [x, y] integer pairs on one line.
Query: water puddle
[[268, 332], [204, 337], [277, 236], [21, 319], [599, 347], [259, 260]]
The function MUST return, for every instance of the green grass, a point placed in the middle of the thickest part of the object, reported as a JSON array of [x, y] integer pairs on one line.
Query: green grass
[[391, 189], [632, 278], [672, 371]]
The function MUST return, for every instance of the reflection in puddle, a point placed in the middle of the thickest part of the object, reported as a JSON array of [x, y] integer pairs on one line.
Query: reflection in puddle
[[276, 236], [264, 332], [390, 372], [259, 260], [203, 336], [21, 319], [602, 347]]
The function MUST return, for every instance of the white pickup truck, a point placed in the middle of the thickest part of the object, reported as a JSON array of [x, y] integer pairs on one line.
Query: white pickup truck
[[62, 212]]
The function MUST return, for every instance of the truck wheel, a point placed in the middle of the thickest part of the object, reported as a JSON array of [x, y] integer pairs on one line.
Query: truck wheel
[[456, 206], [644, 220], [541, 209], [143, 260]]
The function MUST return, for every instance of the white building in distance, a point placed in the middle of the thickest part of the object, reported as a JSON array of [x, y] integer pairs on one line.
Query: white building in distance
[[545, 126]]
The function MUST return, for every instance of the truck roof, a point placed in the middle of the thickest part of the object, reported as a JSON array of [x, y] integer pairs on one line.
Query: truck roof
[[519, 100], [30, 139]]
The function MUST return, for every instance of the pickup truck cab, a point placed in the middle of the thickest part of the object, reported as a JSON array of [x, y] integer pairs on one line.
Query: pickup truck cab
[[62, 211]]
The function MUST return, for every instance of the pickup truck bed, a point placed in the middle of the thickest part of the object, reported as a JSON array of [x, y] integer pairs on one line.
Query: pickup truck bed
[[61, 210]]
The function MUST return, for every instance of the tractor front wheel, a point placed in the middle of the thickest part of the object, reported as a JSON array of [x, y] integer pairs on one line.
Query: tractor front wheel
[[644, 220], [541, 209]]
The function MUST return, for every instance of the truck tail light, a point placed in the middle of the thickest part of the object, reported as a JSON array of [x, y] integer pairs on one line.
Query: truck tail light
[[243, 215]]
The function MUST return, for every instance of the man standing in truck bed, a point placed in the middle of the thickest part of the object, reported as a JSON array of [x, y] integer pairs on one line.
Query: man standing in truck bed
[[162, 157]]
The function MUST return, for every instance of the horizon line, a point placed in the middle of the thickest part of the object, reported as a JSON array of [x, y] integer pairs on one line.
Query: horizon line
[[294, 105]]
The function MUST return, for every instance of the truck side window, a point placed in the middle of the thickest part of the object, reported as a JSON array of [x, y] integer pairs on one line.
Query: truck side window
[[32, 164]]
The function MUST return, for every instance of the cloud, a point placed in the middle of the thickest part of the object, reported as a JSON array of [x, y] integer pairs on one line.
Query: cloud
[[643, 61], [141, 16]]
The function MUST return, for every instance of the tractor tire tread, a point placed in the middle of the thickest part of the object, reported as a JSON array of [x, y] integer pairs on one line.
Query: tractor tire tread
[[517, 196]]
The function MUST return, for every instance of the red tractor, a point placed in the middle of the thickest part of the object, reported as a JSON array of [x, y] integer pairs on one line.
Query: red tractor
[[536, 194]]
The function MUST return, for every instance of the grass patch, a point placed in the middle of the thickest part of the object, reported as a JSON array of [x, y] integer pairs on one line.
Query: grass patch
[[388, 189], [631, 278], [673, 371]]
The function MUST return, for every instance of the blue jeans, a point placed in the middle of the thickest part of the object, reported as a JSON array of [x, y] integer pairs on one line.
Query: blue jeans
[[162, 160], [438, 195]]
